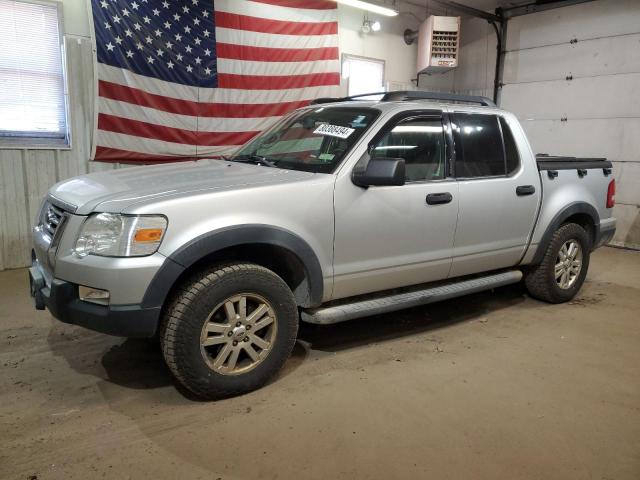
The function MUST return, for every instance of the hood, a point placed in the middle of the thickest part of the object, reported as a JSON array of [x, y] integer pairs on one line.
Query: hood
[[117, 190]]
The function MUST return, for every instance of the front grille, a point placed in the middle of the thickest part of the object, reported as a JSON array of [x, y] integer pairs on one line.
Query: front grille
[[51, 218]]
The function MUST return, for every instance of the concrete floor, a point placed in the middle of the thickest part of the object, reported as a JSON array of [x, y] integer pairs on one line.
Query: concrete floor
[[492, 386]]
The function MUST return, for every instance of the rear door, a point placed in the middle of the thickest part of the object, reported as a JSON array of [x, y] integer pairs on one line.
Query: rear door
[[498, 195]]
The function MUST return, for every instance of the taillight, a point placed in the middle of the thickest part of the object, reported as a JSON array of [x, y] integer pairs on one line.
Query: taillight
[[611, 194]]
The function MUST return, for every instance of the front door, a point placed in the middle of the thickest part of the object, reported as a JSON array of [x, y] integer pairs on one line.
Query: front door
[[393, 236]]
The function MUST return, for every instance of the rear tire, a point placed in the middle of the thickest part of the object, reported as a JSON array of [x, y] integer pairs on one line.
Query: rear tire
[[563, 269], [228, 330]]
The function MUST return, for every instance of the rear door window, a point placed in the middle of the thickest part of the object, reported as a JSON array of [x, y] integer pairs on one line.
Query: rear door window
[[479, 148]]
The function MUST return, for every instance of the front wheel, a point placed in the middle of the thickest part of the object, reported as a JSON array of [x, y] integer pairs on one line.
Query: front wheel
[[229, 330], [563, 269]]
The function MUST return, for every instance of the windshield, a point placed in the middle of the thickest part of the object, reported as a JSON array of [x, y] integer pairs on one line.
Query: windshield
[[313, 140]]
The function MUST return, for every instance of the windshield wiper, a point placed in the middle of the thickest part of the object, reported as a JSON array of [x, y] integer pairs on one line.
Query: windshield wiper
[[255, 159]]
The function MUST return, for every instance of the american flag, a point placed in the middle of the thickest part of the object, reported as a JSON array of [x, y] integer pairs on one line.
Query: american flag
[[180, 79]]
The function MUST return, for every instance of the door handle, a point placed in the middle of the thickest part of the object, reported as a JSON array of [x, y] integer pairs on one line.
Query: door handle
[[523, 190], [439, 198]]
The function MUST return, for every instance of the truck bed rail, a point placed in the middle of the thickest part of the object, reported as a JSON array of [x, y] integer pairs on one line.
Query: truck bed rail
[[555, 162]]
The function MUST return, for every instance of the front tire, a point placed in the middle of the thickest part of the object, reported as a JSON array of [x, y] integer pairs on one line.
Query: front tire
[[563, 269], [228, 330]]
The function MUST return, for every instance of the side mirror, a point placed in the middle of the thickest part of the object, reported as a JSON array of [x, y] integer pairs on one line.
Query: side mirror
[[380, 171]]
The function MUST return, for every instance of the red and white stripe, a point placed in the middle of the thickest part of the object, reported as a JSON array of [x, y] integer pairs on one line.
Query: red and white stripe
[[273, 56]]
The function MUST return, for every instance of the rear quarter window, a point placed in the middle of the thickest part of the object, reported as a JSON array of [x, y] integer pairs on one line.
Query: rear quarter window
[[510, 148]]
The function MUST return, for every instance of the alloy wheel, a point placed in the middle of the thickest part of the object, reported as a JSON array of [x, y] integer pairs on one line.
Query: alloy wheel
[[238, 334], [568, 264]]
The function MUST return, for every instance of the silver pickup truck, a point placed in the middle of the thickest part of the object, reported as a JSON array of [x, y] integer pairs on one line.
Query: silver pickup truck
[[343, 209]]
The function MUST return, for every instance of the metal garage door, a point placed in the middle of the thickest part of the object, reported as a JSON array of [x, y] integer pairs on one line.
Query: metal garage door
[[572, 76]]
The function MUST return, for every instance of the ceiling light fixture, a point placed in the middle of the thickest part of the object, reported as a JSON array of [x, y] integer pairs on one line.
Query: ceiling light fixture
[[370, 7], [369, 26]]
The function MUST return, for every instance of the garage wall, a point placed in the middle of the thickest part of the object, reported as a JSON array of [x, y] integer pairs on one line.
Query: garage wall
[[26, 175], [596, 113], [475, 72], [387, 44]]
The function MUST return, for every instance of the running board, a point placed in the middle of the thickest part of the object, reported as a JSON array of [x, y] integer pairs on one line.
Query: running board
[[391, 303]]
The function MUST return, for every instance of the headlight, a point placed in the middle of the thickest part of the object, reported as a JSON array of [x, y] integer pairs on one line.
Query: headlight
[[112, 235]]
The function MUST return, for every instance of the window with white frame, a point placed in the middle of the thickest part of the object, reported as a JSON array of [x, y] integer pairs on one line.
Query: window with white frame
[[32, 86], [365, 75]]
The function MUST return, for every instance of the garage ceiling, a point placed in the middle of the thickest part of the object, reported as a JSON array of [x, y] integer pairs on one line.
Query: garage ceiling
[[486, 5]]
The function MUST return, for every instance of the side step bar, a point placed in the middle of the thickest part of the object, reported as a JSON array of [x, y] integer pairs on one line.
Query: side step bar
[[391, 303]]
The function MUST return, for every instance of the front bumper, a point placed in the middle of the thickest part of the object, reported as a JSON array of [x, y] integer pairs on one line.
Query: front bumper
[[62, 300]]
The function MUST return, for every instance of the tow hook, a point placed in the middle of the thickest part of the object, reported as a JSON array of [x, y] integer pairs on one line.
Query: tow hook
[[36, 284]]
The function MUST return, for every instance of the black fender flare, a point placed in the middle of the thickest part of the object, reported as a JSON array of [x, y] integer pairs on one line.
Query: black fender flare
[[561, 217], [211, 242]]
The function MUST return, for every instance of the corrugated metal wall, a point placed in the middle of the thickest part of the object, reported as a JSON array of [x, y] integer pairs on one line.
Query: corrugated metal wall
[[26, 175]]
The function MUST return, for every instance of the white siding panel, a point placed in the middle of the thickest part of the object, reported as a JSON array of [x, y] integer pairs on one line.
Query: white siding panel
[[583, 59], [14, 229], [40, 172], [612, 96], [588, 20], [26, 175], [79, 57]]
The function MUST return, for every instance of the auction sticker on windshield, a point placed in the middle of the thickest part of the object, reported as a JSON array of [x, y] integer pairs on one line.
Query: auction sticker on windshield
[[334, 130]]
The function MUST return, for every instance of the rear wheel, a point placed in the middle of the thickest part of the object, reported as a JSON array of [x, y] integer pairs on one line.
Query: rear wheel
[[229, 330], [563, 269]]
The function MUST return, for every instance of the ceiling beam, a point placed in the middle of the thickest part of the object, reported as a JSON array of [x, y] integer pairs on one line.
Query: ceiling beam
[[461, 9], [538, 6]]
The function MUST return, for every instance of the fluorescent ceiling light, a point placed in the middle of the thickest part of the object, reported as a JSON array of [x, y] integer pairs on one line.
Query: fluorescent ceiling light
[[370, 7]]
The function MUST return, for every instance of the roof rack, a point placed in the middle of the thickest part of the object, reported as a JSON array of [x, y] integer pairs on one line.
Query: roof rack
[[412, 95]]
